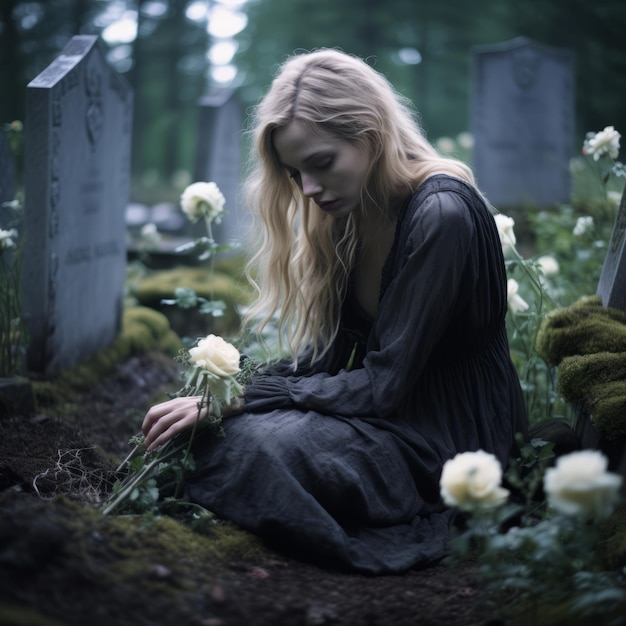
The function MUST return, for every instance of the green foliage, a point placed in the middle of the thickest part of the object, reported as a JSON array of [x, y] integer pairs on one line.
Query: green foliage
[[539, 567], [13, 333]]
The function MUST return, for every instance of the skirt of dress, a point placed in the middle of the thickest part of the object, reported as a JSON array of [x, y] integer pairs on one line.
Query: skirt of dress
[[341, 492]]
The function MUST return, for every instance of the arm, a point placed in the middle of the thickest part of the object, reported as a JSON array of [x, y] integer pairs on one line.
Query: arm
[[414, 313]]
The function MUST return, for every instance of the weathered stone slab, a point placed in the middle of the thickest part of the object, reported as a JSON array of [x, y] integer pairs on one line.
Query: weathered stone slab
[[612, 283], [77, 177], [218, 158], [522, 118]]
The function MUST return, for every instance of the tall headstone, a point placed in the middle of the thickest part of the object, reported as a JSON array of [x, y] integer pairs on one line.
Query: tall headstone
[[612, 292], [218, 157], [76, 180], [612, 283], [522, 119], [7, 181]]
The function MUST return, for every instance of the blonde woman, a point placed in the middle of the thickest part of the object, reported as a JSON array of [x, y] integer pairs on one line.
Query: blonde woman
[[384, 265]]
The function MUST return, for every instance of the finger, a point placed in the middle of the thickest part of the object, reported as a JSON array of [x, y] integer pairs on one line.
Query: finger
[[161, 425], [158, 411], [182, 415], [171, 431]]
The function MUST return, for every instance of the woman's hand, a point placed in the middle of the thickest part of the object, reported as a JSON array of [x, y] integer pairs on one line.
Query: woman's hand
[[165, 420]]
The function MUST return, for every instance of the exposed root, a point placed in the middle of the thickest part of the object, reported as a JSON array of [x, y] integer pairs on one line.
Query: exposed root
[[75, 477]]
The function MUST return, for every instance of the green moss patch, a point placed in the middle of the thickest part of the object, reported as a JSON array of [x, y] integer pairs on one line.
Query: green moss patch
[[143, 329], [588, 344], [61, 557]]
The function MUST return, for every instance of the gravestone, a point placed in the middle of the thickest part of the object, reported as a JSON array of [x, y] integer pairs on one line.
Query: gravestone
[[7, 182], [76, 180], [612, 283], [612, 291], [218, 159], [522, 119]]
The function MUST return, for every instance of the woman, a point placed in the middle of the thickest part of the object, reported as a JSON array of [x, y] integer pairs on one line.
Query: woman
[[385, 266]]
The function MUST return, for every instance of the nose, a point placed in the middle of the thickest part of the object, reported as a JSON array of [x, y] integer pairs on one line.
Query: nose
[[310, 187]]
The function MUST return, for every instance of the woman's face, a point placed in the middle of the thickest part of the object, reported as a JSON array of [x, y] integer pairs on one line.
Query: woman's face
[[328, 170]]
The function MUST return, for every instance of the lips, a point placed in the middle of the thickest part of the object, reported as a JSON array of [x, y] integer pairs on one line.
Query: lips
[[328, 206]]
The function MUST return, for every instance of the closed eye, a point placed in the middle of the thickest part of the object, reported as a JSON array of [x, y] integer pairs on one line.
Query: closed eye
[[324, 164]]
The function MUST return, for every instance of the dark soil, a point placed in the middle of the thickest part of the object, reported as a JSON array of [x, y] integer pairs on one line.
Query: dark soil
[[63, 562]]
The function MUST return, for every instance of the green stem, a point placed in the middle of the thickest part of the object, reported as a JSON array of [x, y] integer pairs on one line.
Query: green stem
[[144, 473], [209, 230], [205, 400]]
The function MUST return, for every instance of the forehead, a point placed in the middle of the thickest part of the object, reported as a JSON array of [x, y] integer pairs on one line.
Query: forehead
[[299, 141]]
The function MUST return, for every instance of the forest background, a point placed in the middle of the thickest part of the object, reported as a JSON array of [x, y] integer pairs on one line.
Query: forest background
[[173, 52]]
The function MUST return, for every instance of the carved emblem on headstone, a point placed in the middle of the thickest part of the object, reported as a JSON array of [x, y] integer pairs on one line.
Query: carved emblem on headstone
[[94, 114], [525, 67]]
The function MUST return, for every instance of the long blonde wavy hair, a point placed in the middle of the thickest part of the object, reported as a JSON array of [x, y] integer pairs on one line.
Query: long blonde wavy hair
[[304, 259]]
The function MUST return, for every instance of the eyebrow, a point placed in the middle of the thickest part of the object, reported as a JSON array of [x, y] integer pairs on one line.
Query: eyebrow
[[324, 152]]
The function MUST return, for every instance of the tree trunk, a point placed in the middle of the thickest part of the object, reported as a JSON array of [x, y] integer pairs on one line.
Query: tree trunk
[[11, 68]]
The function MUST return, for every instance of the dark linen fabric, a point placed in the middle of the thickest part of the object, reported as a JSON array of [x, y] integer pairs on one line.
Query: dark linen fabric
[[343, 465]]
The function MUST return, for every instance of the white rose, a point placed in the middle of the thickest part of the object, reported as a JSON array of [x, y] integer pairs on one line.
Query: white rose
[[6, 238], [471, 480], [516, 303], [548, 264], [202, 200], [445, 144], [583, 224], [216, 356], [614, 197], [604, 142], [505, 226], [150, 234], [580, 485], [466, 140]]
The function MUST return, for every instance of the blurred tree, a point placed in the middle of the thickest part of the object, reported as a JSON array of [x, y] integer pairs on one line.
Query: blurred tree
[[423, 46]]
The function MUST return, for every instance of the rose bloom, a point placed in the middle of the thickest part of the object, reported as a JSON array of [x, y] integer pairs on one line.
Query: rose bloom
[[216, 356], [604, 142], [466, 140], [471, 480], [150, 234], [548, 264], [202, 200], [580, 485], [517, 304], [445, 144], [614, 197], [505, 226], [6, 238], [583, 224]]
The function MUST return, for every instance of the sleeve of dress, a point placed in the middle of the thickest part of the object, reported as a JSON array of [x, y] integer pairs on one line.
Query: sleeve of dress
[[414, 312]]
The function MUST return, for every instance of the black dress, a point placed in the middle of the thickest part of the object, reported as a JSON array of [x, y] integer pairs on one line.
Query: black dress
[[343, 465]]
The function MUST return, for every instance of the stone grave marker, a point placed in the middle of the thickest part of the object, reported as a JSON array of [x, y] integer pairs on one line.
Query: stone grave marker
[[522, 119], [7, 182], [218, 159], [612, 283], [612, 292], [76, 180]]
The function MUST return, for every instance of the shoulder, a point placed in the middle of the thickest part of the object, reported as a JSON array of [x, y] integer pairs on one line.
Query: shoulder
[[447, 190], [442, 200]]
